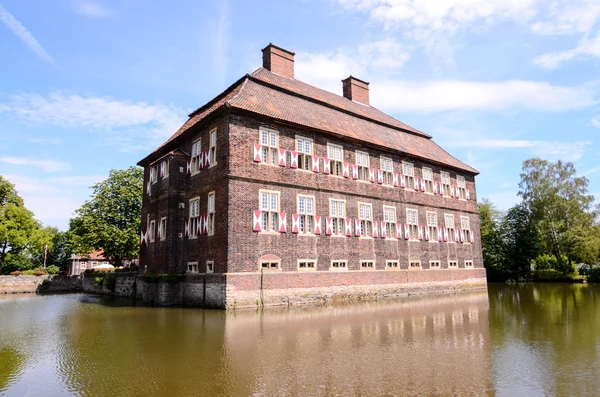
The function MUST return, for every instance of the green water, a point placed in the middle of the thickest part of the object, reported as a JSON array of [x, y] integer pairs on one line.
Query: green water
[[514, 340]]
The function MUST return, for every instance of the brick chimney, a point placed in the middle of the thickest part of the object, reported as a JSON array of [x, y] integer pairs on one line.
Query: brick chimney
[[356, 90], [278, 60]]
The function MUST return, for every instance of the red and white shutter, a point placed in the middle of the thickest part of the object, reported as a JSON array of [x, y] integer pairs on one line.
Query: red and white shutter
[[143, 237], [462, 235], [422, 184], [406, 232], [348, 227], [398, 230], [354, 171], [372, 175], [416, 184], [420, 230], [456, 237], [315, 163], [281, 157], [148, 187], [439, 234], [205, 223], [201, 160], [206, 158], [256, 221], [357, 227], [188, 167], [395, 179], [326, 165], [427, 234], [199, 226], [383, 230], [187, 228], [472, 237], [346, 170], [317, 224], [374, 228], [435, 187], [380, 176], [402, 180], [295, 223], [162, 169], [445, 234], [329, 226], [451, 190], [468, 195], [282, 222], [294, 159]]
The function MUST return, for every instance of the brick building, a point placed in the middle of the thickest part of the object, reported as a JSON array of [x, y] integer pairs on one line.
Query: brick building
[[276, 189]]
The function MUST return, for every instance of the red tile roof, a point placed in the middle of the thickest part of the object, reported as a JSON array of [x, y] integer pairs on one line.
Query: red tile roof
[[290, 100]]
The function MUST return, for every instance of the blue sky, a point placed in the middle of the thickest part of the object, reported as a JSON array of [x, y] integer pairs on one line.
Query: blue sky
[[90, 85]]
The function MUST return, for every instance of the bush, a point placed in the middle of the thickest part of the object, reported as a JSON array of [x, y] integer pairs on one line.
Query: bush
[[16, 273], [28, 272], [45, 283], [594, 276], [550, 275], [151, 277], [110, 281], [173, 278], [99, 280], [52, 269], [39, 273]]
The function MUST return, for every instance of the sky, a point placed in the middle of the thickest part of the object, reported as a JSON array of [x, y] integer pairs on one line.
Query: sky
[[93, 85]]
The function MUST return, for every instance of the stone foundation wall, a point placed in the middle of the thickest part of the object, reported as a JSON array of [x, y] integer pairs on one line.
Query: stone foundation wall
[[20, 284], [125, 285]]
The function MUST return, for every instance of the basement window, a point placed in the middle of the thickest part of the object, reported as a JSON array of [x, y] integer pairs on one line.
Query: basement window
[[192, 267], [339, 265], [367, 265], [452, 263], [210, 266], [266, 265], [468, 263], [307, 265], [392, 265], [434, 264], [414, 265]]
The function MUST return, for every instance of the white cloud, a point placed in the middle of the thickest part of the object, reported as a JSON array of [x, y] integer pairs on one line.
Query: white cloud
[[566, 151], [326, 70], [18, 29], [121, 123], [585, 48], [596, 121], [46, 165], [435, 96], [90, 9], [568, 17]]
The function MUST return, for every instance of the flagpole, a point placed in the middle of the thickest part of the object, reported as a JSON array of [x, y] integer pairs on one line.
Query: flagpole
[[45, 254]]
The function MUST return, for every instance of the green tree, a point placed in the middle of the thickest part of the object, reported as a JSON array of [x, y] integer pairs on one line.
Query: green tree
[[111, 219], [20, 233], [520, 241], [491, 240], [559, 204]]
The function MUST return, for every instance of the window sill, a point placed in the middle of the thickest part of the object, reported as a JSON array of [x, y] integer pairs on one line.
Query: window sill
[[307, 270], [306, 234], [192, 237], [338, 269], [268, 164], [269, 233], [212, 165]]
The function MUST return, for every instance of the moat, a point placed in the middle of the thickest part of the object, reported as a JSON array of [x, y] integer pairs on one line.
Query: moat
[[525, 339]]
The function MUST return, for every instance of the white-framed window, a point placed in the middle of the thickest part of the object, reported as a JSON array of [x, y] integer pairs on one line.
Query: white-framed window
[[304, 147], [196, 151], [412, 219], [151, 231], [164, 168], [389, 221], [367, 265], [212, 152], [432, 225], [365, 215], [449, 223], [270, 265], [194, 216], [434, 265], [337, 212], [408, 169], [163, 228], [269, 210], [469, 263], [414, 264], [210, 266], [153, 174], [269, 140], [465, 225], [306, 212], [445, 181], [387, 166], [307, 265], [452, 263], [428, 178], [336, 156], [461, 185], [192, 267], [362, 161], [211, 213], [337, 264], [392, 265]]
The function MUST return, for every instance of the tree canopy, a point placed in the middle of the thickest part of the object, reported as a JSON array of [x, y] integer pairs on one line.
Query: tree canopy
[[111, 219]]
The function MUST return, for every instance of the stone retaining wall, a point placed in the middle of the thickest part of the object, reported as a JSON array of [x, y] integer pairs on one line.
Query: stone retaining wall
[[31, 284]]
